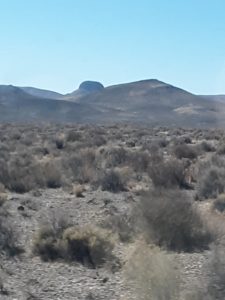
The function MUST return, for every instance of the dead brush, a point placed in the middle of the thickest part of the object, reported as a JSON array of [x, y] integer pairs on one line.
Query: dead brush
[[3, 198], [88, 245], [2, 188], [151, 273], [83, 166], [78, 190]]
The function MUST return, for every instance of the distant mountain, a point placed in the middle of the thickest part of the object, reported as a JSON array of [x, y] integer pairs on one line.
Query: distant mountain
[[18, 106], [42, 93], [219, 98], [150, 102], [85, 88], [91, 86], [155, 102]]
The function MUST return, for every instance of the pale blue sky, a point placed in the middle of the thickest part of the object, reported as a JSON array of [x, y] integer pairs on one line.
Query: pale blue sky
[[56, 44]]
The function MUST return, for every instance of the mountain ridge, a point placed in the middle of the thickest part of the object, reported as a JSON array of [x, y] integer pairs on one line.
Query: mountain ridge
[[149, 101]]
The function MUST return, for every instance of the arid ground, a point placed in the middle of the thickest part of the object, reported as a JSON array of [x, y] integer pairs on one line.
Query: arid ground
[[111, 212]]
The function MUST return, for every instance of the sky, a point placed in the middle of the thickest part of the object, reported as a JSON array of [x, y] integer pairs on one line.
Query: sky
[[57, 44]]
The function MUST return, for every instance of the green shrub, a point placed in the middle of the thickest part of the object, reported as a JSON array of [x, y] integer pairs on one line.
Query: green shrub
[[207, 147], [52, 174], [172, 222], [185, 151], [140, 161], [121, 224], [219, 203], [8, 235], [47, 245], [221, 149], [83, 166], [112, 182], [211, 183], [168, 174], [21, 174], [186, 139], [162, 142], [4, 151], [116, 156], [47, 242], [59, 142], [73, 136]]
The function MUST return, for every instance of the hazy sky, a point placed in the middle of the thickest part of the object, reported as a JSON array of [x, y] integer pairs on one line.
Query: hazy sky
[[56, 44]]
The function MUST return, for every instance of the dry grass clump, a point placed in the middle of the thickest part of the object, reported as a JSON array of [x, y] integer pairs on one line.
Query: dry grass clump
[[21, 174], [52, 174], [93, 136], [90, 246], [78, 190], [2, 188], [151, 274], [115, 156], [73, 136], [216, 266], [172, 222], [121, 224], [47, 244], [3, 198], [83, 166], [47, 241]]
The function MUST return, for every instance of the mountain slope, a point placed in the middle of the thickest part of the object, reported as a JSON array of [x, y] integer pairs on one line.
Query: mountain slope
[[155, 102], [42, 93], [219, 98], [16, 105], [150, 102]]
